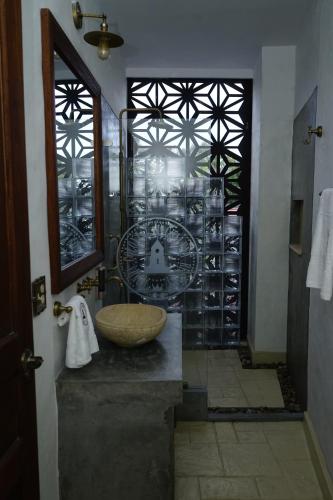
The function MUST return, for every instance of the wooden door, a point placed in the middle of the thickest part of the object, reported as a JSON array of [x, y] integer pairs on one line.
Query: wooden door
[[18, 448], [300, 248]]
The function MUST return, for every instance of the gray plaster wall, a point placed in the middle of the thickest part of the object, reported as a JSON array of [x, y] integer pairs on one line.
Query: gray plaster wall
[[314, 59], [274, 91], [49, 339]]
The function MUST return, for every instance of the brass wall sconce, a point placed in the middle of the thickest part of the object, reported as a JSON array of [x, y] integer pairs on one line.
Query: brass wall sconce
[[318, 131], [103, 39]]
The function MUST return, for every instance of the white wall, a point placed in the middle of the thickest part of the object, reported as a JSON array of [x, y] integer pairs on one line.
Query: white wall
[[274, 88], [189, 72], [315, 67], [49, 339]]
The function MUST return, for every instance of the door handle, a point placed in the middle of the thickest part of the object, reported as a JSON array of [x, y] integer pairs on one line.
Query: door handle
[[30, 362]]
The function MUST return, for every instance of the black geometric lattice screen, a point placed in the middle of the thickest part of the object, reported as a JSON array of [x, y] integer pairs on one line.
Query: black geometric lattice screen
[[74, 123], [211, 129]]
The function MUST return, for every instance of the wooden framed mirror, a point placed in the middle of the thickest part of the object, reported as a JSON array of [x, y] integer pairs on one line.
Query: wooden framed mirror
[[73, 143]]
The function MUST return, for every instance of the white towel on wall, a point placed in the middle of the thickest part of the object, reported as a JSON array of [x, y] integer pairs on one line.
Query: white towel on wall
[[81, 340], [320, 271]]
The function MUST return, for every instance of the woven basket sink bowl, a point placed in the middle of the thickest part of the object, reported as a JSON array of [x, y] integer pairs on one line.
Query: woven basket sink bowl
[[129, 325]]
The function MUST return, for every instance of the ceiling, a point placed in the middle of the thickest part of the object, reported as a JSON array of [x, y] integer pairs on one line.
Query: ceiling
[[203, 34]]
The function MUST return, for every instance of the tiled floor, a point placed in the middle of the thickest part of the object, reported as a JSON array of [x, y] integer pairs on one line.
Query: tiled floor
[[243, 461], [228, 384]]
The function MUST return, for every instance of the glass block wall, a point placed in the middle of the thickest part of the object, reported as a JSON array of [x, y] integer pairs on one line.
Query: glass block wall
[[159, 186]]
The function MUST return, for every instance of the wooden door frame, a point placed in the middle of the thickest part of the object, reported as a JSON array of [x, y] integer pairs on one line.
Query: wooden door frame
[[14, 165]]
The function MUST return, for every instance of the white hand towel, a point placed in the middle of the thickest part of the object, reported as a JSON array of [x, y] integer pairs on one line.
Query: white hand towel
[[320, 271], [81, 340]]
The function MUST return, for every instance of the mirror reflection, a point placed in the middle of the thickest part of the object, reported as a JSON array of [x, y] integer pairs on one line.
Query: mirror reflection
[[75, 164]]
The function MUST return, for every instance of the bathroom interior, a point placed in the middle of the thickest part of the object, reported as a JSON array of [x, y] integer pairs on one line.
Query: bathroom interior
[[168, 332]]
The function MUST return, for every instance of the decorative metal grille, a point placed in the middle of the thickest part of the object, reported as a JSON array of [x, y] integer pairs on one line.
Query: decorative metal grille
[[210, 138]]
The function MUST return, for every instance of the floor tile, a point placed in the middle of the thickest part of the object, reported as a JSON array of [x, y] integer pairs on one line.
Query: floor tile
[[228, 488], [202, 432], [187, 488], [225, 432], [287, 446], [251, 436], [274, 488], [249, 460], [248, 426], [302, 479], [199, 459]]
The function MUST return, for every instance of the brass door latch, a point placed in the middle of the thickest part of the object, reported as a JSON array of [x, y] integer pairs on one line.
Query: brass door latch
[[30, 362]]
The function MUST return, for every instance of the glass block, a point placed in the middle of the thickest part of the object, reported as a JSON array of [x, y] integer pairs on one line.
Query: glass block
[[83, 187], [137, 186], [232, 281], [214, 281], [84, 224], [231, 318], [176, 167], [194, 224], [213, 299], [214, 205], [193, 319], [175, 206], [65, 188], [134, 220], [66, 207], [200, 243], [176, 303], [84, 206], [193, 300], [231, 336], [136, 206], [138, 166], [176, 282], [156, 206], [213, 262], [214, 228], [156, 165], [213, 336], [232, 224], [213, 319], [231, 264], [213, 245], [193, 336], [232, 244], [197, 283], [176, 187], [231, 300], [195, 186], [214, 187], [157, 186], [194, 206], [83, 167]]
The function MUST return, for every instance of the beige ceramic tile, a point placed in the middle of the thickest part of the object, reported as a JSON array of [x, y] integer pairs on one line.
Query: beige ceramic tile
[[260, 374], [251, 437], [228, 488], [287, 446], [302, 479], [222, 378], [199, 459], [274, 488], [225, 432], [263, 393], [249, 460], [187, 488], [202, 432], [286, 427], [248, 426], [182, 438]]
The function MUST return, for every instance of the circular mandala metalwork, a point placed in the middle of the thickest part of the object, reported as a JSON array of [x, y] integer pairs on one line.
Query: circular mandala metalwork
[[157, 258]]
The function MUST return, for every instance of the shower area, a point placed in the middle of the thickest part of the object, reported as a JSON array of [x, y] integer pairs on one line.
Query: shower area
[[196, 171], [188, 182]]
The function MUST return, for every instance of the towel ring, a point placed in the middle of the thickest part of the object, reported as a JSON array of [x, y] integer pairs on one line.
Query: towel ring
[[58, 308]]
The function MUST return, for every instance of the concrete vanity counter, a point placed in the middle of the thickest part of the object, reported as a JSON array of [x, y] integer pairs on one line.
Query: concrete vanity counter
[[116, 421]]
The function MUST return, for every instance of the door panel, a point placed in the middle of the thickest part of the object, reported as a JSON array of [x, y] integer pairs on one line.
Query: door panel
[[300, 248], [18, 442]]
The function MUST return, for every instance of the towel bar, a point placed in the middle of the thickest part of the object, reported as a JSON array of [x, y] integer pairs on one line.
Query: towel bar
[[58, 308]]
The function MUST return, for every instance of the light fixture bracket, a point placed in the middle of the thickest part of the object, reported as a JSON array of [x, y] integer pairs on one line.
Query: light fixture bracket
[[77, 15]]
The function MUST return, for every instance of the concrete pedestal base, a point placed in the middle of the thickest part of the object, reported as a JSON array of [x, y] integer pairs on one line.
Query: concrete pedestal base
[[116, 422]]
